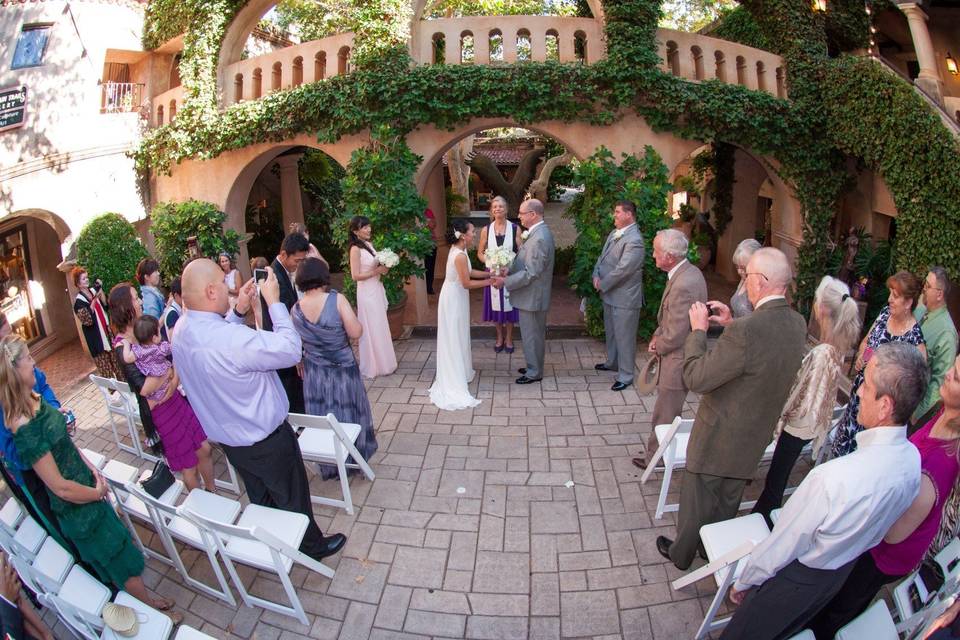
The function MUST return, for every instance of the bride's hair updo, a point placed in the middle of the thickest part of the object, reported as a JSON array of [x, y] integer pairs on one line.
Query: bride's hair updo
[[458, 226]]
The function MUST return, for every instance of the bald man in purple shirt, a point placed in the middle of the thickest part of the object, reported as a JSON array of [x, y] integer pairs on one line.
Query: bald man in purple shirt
[[253, 428]]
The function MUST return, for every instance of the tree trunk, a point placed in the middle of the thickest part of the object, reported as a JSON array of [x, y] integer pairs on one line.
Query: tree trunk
[[538, 188], [515, 190], [457, 158]]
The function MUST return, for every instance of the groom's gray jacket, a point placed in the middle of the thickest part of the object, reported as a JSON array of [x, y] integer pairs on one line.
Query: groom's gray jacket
[[531, 274]]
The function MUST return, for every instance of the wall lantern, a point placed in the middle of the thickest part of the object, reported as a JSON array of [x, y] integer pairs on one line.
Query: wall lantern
[[952, 64], [819, 5]]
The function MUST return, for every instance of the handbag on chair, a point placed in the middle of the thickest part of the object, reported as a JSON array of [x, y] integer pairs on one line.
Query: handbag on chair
[[159, 481]]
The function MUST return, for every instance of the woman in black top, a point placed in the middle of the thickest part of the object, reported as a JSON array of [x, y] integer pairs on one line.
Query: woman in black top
[[90, 309]]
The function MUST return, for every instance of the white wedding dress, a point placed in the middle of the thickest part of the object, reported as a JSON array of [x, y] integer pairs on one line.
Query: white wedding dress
[[454, 360]]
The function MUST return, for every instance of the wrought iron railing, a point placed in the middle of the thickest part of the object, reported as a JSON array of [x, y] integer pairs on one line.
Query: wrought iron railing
[[120, 97]]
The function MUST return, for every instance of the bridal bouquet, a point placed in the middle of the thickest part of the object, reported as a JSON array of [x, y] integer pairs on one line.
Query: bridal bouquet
[[499, 259], [388, 258]]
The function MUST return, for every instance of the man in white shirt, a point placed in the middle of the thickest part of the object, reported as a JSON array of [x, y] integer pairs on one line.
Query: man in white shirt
[[840, 510]]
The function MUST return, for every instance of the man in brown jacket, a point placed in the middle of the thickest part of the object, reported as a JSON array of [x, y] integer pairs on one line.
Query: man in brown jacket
[[685, 285], [744, 380]]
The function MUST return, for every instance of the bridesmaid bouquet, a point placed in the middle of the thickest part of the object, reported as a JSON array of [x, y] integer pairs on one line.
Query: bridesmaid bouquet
[[388, 258], [499, 259]]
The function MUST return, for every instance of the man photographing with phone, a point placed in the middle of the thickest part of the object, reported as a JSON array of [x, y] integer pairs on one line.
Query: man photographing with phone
[[253, 429]]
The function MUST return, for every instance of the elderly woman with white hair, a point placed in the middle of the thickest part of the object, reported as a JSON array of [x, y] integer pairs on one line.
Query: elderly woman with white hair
[[739, 303], [496, 302], [808, 411]]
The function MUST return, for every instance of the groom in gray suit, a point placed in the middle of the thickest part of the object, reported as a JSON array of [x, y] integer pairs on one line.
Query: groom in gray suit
[[529, 284], [618, 276]]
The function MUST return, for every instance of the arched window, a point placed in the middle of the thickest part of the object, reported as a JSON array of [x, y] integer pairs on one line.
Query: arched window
[[343, 60], [697, 54], [160, 116], [439, 48], [320, 66], [173, 110], [276, 80], [673, 58], [721, 69], [761, 76], [175, 72], [553, 45], [467, 51], [495, 38], [741, 71], [238, 87], [524, 47], [257, 89], [298, 71], [580, 47], [781, 83]]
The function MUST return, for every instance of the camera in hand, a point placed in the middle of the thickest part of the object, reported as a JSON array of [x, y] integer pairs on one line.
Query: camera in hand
[[711, 311], [259, 275]]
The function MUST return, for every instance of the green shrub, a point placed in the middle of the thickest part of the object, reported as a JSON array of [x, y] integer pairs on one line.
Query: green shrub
[[109, 249], [174, 222]]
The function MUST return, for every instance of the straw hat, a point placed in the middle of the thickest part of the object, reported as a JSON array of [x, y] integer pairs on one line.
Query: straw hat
[[649, 375]]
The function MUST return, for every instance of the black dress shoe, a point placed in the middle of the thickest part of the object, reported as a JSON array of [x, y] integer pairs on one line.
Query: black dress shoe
[[663, 546], [602, 367], [702, 552], [526, 380], [522, 370], [329, 545], [620, 386]]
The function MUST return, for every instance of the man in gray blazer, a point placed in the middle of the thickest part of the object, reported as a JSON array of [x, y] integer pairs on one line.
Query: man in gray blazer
[[685, 285], [529, 284], [744, 380], [618, 276]]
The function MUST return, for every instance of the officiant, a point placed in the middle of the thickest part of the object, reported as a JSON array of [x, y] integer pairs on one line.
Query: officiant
[[618, 276], [496, 302]]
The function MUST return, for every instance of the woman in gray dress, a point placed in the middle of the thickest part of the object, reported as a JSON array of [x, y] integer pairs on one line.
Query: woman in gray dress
[[739, 303], [331, 376]]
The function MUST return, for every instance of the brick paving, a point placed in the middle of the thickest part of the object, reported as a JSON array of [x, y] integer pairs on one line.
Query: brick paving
[[471, 528]]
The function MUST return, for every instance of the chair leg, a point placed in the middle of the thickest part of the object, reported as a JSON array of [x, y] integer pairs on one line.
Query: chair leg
[[345, 485], [709, 624], [664, 487]]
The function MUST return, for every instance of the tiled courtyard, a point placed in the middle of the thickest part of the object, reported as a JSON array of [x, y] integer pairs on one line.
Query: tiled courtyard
[[520, 518]]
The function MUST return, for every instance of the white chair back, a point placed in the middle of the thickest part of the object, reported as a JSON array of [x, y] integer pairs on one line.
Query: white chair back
[[875, 623], [33, 579], [122, 406], [80, 622], [670, 453]]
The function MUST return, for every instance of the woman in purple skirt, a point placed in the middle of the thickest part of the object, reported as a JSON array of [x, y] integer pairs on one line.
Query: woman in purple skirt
[[496, 302]]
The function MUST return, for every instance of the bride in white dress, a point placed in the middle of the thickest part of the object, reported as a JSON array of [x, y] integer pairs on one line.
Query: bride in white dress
[[454, 360]]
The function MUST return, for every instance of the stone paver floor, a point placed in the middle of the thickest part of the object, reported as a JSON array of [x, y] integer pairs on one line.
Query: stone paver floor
[[470, 529]]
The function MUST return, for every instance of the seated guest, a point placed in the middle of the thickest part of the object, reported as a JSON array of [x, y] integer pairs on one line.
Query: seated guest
[[331, 376], [907, 541], [941, 336], [841, 509], [744, 379], [809, 409], [173, 310], [75, 488], [253, 430]]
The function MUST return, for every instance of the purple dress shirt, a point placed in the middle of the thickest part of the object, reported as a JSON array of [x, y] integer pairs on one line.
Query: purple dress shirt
[[210, 349]]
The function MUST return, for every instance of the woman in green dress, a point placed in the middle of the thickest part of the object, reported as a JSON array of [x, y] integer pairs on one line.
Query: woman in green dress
[[76, 488]]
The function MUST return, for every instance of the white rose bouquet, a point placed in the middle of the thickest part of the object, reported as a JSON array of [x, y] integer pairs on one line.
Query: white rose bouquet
[[499, 259], [388, 258]]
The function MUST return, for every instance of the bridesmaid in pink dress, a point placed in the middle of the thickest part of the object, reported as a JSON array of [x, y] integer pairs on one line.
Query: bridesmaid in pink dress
[[377, 357]]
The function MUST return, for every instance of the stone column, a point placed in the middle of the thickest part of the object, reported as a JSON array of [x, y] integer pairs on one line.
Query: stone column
[[929, 78], [291, 202]]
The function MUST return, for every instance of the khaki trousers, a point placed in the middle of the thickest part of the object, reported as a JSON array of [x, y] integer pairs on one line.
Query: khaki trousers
[[669, 405]]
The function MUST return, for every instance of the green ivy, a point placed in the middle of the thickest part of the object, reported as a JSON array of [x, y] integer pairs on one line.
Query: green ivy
[[173, 222], [109, 249]]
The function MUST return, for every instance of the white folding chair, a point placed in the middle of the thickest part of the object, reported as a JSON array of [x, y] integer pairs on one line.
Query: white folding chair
[[727, 544], [78, 587], [189, 633], [875, 623], [154, 625], [28, 538], [94, 458], [132, 411], [82, 624], [117, 407], [267, 539], [806, 634], [233, 486], [169, 524], [325, 440], [11, 515], [131, 506], [672, 450], [949, 560]]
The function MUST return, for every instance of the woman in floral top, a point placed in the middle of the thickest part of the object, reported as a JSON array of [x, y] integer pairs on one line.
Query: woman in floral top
[[809, 407], [894, 324]]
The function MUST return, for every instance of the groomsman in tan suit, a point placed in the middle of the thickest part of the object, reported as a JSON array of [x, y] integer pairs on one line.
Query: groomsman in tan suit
[[685, 285], [744, 379]]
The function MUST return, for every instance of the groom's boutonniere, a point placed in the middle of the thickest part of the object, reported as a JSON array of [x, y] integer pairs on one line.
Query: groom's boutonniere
[[525, 235], [618, 234]]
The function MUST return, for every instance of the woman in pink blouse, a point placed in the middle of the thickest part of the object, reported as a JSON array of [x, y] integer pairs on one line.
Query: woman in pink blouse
[[809, 407], [905, 545]]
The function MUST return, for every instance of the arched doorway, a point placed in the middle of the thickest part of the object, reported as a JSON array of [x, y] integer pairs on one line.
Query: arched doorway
[[461, 179]]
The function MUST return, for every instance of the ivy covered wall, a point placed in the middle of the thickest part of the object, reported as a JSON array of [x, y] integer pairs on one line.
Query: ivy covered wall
[[838, 105]]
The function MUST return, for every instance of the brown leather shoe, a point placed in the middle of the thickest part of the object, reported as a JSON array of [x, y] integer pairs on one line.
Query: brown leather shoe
[[639, 462]]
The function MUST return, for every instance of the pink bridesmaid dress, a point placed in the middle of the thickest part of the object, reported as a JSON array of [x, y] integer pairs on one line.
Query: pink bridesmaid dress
[[377, 357]]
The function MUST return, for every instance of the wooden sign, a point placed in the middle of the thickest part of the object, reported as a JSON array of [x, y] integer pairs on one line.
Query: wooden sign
[[13, 107]]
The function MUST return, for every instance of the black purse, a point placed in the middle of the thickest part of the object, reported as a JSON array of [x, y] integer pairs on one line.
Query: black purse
[[159, 481]]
